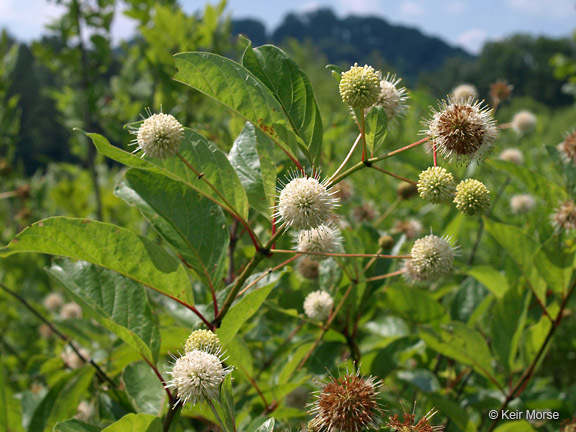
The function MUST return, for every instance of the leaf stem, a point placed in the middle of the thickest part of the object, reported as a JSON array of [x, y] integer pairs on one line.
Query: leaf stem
[[393, 175], [377, 255], [347, 158], [386, 276], [171, 415], [270, 270]]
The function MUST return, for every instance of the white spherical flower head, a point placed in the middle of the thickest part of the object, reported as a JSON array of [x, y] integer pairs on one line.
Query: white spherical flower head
[[512, 155], [564, 218], [523, 122], [53, 301], [436, 185], [318, 305], [159, 136], [305, 203], [464, 92], [323, 239], [567, 148], [71, 311], [462, 130], [196, 376], [522, 203], [432, 258], [392, 98]]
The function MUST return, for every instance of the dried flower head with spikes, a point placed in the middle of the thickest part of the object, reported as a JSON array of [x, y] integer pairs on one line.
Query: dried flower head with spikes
[[202, 340], [500, 91], [392, 98], [410, 425], [568, 147], [348, 403], [432, 258], [360, 86], [305, 203], [317, 305], [197, 375], [462, 130], [564, 218], [436, 185], [472, 197], [159, 136]]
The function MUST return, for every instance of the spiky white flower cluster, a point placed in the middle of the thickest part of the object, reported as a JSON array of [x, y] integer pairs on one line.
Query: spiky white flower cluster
[[523, 122], [360, 86], [564, 218], [197, 375], [305, 203], [522, 203], [436, 185], [73, 360], [472, 197], [203, 340], [318, 305], [462, 130], [464, 92], [512, 155], [432, 258], [567, 148], [159, 136], [53, 301], [323, 239], [392, 98], [71, 311]]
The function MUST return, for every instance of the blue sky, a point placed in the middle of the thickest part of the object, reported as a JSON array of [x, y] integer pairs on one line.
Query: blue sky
[[463, 23]]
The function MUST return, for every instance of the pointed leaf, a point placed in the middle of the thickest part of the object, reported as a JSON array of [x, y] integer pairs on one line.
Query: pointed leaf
[[236, 87], [190, 222], [291, 88], [202, 155], [251, 157], [376, 128], [74, 425], [268, 426], [136, 423], [107, 246], [143, 388], [117, 302], [491, 278]]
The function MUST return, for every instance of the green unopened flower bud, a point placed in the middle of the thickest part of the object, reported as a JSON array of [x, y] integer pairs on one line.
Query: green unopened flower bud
[[436, 185], [203, 340], [360, 86], [472, 197], [386, 242]]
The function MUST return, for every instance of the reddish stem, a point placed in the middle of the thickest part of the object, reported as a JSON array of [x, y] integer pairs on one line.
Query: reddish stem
[[161, 378], [435, 156]]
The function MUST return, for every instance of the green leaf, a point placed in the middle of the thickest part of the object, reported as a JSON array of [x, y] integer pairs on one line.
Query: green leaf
[[136, 423], [413, 304], [515, 426], [422, 379], [240, 356], [461, 343], [292, 362], [190, 222], [203, 156], [74, 425], [10, 407], [376, 128], [242, 312], [522, 250], [268, 426], [107, 246], [62, 399], [116, 302], [227, 403], [491, 278], [143, 388], [508, 321], [453, 411], [234, 86], [291, 88], [251, 157]]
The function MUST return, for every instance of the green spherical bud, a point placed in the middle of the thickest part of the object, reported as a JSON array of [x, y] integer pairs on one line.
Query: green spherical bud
[[203, 340], [386, 242], [472, 197], [360, 86], [436, 185]]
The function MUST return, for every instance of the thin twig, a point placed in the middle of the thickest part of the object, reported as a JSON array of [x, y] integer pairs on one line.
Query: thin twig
[[346, 159], [344, 255], [393, 175]]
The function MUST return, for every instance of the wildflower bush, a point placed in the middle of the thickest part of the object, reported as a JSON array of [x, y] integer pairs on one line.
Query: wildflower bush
[[303, 277]]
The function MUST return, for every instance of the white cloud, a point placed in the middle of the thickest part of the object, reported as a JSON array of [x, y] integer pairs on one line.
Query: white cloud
[[473, 40], [361, 7], [411, 9]]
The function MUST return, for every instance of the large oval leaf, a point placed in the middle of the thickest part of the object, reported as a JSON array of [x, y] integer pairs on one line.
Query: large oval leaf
[[107, 246], [116, 302], [191, 223], [251, 156], [291, 88], [236, 87], [204, 156]]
